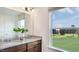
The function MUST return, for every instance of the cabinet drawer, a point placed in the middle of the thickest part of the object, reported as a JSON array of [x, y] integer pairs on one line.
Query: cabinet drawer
[[19, 48], [33, 44]]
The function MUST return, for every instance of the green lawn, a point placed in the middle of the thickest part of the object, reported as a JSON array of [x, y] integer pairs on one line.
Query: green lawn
[[68, 42]]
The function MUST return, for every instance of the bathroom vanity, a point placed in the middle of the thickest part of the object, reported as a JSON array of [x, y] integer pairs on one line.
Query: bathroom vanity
[[11, 41], [32, 44]]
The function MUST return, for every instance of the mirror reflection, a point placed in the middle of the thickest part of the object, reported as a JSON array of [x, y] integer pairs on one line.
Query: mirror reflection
[[10, 19]]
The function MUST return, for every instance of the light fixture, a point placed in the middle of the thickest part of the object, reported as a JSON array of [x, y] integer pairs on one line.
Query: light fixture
[[29, 9]]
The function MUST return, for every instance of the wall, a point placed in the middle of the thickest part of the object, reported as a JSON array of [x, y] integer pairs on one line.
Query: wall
[[39, 25], [28, 24], [7, 22]]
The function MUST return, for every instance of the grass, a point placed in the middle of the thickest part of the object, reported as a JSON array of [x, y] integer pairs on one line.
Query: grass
[[68, 42]]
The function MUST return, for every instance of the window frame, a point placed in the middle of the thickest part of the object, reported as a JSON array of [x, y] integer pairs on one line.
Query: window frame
[[19, 23], [50, 32]]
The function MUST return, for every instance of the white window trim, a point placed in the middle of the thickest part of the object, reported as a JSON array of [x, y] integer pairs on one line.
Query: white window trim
[[50, 44], [61, 50]]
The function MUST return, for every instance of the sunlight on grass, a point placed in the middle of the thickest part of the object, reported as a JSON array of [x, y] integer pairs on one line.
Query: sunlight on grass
[[67, 42], [65, 36]]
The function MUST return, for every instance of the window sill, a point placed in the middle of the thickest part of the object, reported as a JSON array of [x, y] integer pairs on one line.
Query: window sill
[[51, 47]]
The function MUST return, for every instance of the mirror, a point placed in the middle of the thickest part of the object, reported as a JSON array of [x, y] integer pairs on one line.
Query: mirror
[[8, 20]]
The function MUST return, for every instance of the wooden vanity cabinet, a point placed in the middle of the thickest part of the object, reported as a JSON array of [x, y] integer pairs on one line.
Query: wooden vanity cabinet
[[34, 46], [27, 47]]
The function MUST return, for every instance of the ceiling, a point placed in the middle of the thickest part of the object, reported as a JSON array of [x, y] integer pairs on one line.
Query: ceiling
[[7, 11], [54, 8]]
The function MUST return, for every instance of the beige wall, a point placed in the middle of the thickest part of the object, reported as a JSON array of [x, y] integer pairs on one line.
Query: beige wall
[[39, 25]]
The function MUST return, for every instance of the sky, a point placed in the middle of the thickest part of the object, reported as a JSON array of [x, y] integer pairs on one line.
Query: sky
[[65, 17]]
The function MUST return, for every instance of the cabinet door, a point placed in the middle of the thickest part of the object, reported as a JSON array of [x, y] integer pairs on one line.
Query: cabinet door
[[38, 47], [34, 47]]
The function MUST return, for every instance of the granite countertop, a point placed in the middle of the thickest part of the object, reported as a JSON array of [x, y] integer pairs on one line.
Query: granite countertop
[[4, 45]]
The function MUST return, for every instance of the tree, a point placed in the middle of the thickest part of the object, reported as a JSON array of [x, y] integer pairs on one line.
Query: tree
[[73, 26], [54, 31], [77, 31], [62, 31]]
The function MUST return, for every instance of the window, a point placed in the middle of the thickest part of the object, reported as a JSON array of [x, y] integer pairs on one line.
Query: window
[[21, 23], [65, 29]]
